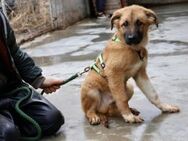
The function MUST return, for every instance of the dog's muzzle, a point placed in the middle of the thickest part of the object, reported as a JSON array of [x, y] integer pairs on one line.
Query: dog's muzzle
[[133, 39]]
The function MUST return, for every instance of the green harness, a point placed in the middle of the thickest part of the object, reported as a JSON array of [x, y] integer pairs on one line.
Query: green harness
[[94, 66], [116, 39]]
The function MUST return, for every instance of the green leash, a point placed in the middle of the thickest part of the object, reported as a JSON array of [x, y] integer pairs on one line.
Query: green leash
[[28, 93], [72, 77], [91, 67]]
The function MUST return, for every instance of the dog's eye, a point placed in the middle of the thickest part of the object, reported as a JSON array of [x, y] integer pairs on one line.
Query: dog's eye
[[126, 23], [138, 23]]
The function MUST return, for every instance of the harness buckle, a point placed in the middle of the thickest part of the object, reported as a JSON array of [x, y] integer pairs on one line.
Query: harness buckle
[[103, 65], [87, 69]]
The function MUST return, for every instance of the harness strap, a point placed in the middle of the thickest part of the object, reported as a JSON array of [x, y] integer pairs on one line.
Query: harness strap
[[100, 59], [97, 68], [116, 39]]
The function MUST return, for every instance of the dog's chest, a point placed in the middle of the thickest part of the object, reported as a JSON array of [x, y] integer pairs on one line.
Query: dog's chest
[[133, 69]]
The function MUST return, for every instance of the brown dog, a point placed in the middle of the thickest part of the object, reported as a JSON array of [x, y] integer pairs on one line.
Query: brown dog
[[107, 92]]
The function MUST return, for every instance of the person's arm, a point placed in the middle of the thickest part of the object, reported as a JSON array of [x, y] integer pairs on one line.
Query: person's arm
[[29, 72]]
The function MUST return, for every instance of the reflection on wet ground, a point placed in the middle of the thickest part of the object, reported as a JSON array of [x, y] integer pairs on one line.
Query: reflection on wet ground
[[63, 53]]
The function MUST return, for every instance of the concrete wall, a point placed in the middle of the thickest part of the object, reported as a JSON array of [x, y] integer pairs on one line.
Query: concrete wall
[[67, 12]]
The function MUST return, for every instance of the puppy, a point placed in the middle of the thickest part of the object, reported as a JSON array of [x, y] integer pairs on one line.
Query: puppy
[[106, 92]]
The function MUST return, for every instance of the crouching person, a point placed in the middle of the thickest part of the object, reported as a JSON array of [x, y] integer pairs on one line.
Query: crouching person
[[24, 113]]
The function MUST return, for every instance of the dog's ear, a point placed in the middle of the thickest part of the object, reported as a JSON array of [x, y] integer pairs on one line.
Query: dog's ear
[[116, 16], [152, 17]]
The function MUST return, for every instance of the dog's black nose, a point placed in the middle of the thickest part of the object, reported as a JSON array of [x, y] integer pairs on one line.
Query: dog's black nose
[[131, 39]]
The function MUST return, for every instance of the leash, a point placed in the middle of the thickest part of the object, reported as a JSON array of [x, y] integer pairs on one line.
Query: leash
[[72, 77], [94, 67], [27, 95]]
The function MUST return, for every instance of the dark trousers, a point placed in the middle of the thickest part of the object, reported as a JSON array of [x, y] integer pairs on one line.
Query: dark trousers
[[13, 126], [100, 5]]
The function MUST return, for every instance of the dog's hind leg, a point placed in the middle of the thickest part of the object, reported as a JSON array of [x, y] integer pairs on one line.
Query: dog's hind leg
[[90, 102], [104, 120], [113, 110]]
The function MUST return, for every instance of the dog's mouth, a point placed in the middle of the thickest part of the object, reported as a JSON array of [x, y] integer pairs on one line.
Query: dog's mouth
[[133, 39]]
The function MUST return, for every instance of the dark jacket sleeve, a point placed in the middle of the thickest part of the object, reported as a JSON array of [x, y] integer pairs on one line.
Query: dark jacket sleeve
[[25, 65]]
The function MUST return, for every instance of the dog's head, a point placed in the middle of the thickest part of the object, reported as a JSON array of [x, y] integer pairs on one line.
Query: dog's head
[[133, 22]]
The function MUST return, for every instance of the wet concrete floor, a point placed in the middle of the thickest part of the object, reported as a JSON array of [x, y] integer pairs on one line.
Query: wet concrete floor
[[63, 53]]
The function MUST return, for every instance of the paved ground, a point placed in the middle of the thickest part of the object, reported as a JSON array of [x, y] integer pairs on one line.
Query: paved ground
[[63, 53]]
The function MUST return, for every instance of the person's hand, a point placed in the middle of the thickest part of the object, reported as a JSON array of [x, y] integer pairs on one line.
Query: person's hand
[[51, 85]]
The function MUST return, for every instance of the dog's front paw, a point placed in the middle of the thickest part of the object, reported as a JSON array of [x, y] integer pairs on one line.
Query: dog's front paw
[[167, 108], [94, 120], [130, 118]]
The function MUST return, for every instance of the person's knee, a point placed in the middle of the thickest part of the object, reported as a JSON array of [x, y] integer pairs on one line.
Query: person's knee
[[53, 121], [56, 116], [8, 132]]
